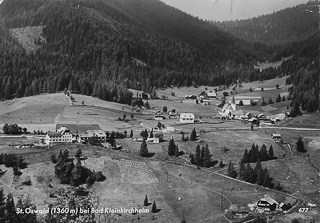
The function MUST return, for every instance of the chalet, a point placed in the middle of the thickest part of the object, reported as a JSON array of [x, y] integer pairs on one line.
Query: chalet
[[186, 118], [212, 94], [63, 134], [277, 137], [98, 134], [267, 204]]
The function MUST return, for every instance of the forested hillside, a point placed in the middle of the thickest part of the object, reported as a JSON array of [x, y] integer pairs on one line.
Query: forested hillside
[[103, 47], [289, 24], [289, 32]]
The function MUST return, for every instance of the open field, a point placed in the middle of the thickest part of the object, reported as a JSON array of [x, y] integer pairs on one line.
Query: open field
[[266, 65], [179, 189], [27, 35]]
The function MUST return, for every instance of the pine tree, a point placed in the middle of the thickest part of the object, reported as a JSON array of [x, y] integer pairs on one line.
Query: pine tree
[[146, 202], [260, 177], [154, 207], [193, 136], [249, 176], [242, 171], [131, 134], [2, 205], [176, 151], [151, 133], [143, 149], [197, 156], [221, 164], [78, 153], [191, 158], [267, 179], [271, 152], [263, 154], [206, 156], [270, 101], [75, 174], [171, 147], [300, 145], [11, 215], [231, 171], [245, 158]]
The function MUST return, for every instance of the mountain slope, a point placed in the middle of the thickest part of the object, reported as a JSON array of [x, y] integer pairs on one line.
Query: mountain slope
[[103, 47]]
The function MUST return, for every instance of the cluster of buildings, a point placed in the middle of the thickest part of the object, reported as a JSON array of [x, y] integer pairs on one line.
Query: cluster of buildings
[[64, 135], [266, 204]]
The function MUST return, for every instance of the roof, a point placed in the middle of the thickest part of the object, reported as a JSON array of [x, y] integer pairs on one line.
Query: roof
[[54, 134], [188, 115], [270, 200], [276, 136], [212, 94]]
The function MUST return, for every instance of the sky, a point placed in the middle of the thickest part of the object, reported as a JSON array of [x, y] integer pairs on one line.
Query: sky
[[220, 10]]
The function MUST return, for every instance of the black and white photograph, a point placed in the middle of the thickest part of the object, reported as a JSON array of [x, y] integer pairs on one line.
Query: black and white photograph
[[159, 111]]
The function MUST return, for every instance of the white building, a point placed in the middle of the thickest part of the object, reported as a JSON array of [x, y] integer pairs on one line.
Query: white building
[[186, 118], [212, 94], [98, 134], [63, 134], [228, 108]]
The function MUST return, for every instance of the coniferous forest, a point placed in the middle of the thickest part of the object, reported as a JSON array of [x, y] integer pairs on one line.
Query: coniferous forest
[[104, 47]]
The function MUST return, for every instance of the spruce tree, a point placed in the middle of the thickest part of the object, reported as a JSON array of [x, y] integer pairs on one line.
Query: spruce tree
[[75, 174], [151, 133], [143, 149], [193, 135], [197, 156], [176, 151], [154, 207], [231, 171], [221, 164], [263, 153], [171, 147], [245, 158], [249, 176], [260, 177], [146, 202], [206, 156], [191, 158], [242, 171], [271, 152], [300, 145], [267, 179], [131, 134], [78, 153], [2, 205], [11, 215]]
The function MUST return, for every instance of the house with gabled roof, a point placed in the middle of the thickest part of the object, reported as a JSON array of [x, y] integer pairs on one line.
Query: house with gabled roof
[[63, 134]]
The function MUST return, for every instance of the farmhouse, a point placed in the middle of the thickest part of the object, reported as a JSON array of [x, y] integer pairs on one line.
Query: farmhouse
[[277, 137], [186, 118], [212, 94], [63, 134], [98, 134], [267, 204]]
